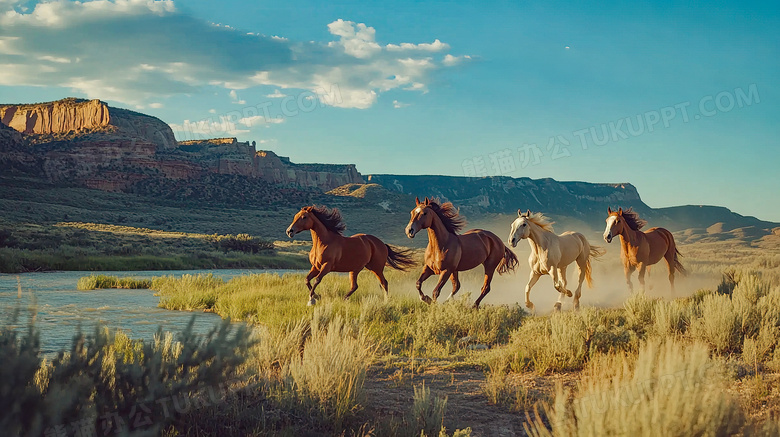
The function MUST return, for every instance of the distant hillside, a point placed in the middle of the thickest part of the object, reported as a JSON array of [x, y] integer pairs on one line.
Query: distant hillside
[[584, 202]]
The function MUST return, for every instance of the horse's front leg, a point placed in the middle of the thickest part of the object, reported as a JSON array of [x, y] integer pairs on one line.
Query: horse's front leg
[[628, 269], [443, 278], [426, 273], [531, 281], [324, 270], [312, 273], [641, 275]]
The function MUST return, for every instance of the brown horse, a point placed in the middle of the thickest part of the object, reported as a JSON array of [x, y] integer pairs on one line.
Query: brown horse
[[333, 252], [449, 253], [639, 249]]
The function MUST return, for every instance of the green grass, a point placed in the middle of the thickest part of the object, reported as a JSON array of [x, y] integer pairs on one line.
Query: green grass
[[91, 246], [94, 282]]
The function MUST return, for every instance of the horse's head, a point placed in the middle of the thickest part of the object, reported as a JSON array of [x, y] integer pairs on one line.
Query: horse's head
[[615, 224], [303, 220], [520, 229], [422, 217]]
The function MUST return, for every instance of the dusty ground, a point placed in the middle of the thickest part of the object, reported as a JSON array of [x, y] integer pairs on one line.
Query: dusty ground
[[390, 393]]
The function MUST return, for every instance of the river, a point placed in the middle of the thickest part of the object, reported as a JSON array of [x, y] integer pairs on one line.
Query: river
[[60, 310]]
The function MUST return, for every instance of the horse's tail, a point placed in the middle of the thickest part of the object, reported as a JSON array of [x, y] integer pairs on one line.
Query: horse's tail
[[508, 262], [593, 252], [399, 259], [675, 264]]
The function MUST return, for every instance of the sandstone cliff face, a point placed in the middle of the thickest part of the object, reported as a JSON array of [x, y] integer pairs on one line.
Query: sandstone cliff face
[[280, 170], [75, 115]]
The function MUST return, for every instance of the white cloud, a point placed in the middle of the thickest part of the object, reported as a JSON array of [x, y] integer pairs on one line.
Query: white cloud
[[398, 105], [165, 52], [156, 105], [450, 60], [257, 120], [276, 95], [435, 46], [212, 111], [221, 126]]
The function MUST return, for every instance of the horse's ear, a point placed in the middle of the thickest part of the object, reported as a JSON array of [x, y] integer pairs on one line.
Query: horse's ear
[[417, 200], [620, 211], [528, 213], [427, 200], [519, 212], [609, 210]]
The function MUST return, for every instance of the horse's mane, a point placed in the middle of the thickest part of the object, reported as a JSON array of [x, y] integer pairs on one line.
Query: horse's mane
[[449, 215], [331, 218], [541, 220], [632, 219]]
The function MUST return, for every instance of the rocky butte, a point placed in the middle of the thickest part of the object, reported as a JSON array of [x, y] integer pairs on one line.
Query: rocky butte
[[88, 143]]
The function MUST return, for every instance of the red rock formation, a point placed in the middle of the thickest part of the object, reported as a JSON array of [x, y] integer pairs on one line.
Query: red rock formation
[[89, 143], [77, 115]]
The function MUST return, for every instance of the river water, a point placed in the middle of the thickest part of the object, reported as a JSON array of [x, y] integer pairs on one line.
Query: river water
[[60, 310]]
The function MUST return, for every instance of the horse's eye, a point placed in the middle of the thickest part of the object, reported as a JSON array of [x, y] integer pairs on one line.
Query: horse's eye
[[523, 224]]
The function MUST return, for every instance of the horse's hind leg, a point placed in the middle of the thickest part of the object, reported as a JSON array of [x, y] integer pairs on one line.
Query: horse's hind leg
[[669, 257], [489, 272], [581, 269], [352, 284], [455, 285], [380, 274], [561, 287]]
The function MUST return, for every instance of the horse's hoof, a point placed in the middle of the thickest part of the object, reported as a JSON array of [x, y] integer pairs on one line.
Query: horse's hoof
[[576, 306], [426, 299], [529, 305], [569, 293], [312, 302], [557, 307]]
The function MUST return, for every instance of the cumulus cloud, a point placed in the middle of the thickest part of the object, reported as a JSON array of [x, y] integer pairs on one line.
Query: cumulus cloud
[[398, 105], [450, 60], [257, 120], [138, 51], [222, 126]]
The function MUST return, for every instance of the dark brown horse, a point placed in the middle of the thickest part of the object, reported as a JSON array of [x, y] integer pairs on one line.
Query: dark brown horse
[[449, 253], [333, 252], [639, 249]]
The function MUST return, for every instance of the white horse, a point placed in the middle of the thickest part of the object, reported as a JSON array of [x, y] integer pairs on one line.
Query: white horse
[[551, 254]]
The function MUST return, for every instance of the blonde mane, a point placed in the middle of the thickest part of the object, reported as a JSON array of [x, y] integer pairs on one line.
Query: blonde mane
[[540, 220]]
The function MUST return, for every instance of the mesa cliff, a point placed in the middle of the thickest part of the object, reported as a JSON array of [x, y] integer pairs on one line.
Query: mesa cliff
[[88, 143], [74, 116]]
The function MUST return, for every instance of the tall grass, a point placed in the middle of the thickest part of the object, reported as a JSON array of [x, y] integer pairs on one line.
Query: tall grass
[[674, 389], [107, 375], [403, 325], [94, 282]]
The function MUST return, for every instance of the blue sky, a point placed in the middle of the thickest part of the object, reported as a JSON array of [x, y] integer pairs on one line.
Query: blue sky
[[680, 100]]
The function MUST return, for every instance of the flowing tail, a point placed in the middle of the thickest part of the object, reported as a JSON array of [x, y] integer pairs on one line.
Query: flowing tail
[[399, 259], [508, 262], [677, 264], [594, 252]]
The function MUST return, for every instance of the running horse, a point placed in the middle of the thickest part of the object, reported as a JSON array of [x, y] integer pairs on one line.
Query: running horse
[[331, 251], [551, 254], [639, 249], [449, 252]]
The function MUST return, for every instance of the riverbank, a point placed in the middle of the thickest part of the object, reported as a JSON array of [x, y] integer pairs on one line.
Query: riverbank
[[73, 246]]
